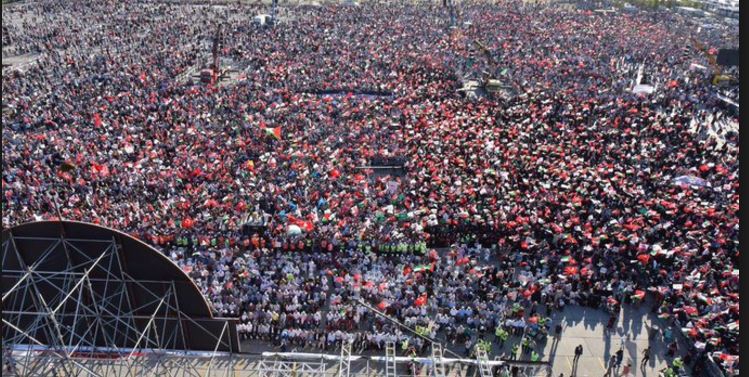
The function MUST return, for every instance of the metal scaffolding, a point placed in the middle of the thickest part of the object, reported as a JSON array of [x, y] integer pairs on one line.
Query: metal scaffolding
[[390, 366], [344, 368], [438, 367], [482, 360], [71, 307], [290, 368]]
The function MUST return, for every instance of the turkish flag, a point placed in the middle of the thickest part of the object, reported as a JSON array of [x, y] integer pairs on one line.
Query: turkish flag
[[421, 301], [383, 305]]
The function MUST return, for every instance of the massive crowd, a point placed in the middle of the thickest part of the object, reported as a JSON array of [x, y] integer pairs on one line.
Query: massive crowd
[[573, 190]]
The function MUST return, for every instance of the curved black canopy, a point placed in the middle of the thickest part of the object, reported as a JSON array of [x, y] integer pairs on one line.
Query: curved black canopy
[[82, 275]]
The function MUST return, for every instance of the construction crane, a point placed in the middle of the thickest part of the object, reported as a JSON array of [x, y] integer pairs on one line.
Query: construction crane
[[214, 51], [718, 76]]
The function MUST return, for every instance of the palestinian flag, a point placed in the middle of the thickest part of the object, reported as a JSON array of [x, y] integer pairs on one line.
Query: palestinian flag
[[423, 267], [639, 295], [274, 132], [328, 216]]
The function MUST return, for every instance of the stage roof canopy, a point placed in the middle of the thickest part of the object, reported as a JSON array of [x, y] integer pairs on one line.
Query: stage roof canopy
[[103, 289]]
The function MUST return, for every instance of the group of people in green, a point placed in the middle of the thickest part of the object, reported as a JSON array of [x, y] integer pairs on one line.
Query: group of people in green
[[677, 364], [527, 344]]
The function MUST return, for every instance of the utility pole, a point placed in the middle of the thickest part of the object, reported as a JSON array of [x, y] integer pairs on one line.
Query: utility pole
[[215, 51], [449, 6]]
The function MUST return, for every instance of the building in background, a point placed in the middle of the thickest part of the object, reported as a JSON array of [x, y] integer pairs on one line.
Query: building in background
[[726, 8]]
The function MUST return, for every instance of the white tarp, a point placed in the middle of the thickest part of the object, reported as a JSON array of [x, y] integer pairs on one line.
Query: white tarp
[[643, 89], [690, 180]]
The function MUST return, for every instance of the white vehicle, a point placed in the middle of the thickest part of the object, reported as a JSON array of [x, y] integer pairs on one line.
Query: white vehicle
[[262, 19]]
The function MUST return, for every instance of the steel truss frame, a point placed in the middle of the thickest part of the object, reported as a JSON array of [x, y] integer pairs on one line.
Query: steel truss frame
[[56, 321], [391, 369], [291, 368], [481, 359], [438, 367], [530, 369], [344, 369]]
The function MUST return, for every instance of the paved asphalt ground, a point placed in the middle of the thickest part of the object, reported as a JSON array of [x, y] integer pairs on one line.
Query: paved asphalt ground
[[586, 327]]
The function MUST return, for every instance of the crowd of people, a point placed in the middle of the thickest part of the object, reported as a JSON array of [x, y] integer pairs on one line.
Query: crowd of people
[[574, 190]]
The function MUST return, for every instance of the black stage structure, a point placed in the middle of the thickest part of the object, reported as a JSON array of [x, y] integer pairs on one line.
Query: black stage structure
[[74, 291]]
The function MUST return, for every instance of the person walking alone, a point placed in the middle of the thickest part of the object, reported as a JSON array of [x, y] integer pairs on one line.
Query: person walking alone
[[619, 357], [578, 352], [645, 357]]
